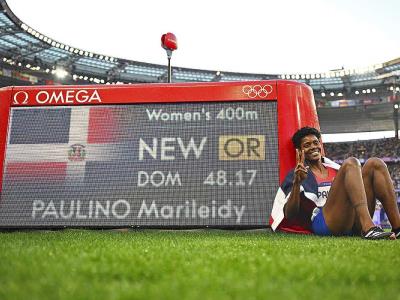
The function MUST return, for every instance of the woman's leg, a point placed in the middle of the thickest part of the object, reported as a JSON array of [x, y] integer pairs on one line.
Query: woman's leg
[[379, 185], [347, 200]]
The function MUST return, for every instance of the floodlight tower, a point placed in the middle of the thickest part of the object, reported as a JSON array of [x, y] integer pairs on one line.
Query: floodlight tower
[[169, 43]]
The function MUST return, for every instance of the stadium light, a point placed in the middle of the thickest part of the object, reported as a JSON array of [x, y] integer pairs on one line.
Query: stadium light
[[357, 92], [169, 43], [60, 73], [323, 94], [373, 90], [396, 106], [332, 94]]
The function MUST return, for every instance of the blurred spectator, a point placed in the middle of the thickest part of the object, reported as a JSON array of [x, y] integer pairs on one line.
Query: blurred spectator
[[383, 148], [388, 148], [338, 151]]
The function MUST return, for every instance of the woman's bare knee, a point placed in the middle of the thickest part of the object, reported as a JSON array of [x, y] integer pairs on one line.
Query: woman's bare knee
[[351, 162], [375, 163]]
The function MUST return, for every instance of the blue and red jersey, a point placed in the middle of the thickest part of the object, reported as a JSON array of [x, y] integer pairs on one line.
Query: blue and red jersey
[[315, 192]]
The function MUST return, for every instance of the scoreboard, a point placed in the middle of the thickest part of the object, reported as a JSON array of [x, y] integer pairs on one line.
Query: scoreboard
[[154, 155]]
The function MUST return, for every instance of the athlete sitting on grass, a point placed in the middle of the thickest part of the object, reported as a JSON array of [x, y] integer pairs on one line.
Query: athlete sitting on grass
[[323, 198]]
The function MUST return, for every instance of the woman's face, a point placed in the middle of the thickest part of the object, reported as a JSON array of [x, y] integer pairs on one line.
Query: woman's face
[[312, 148]]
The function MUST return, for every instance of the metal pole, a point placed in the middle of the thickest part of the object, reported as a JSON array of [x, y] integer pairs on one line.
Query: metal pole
[[395, 111], [396, 119], [169, 55], [169, 69]]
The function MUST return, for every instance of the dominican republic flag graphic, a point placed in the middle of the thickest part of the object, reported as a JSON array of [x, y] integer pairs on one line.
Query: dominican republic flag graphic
[[55, 144]]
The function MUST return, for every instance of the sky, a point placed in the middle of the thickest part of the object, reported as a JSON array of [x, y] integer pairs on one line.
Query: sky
[[252, 36]]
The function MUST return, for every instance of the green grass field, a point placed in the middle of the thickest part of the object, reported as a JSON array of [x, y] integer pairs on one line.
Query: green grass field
[[199, 264]]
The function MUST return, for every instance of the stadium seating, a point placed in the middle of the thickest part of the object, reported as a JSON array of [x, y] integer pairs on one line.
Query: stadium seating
[[376, 117], [387, 149]]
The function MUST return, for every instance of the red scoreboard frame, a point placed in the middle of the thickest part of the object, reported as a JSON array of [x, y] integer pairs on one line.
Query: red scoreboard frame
[[295, 104]]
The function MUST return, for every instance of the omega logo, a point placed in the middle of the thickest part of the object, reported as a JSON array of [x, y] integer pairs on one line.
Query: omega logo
[[20, 98]]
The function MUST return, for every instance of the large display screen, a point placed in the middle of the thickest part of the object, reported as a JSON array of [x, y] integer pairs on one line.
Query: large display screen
[[187, 164]]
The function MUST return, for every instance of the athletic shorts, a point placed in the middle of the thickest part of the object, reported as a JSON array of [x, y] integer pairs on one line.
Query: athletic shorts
[[319, 226], [318, 222]]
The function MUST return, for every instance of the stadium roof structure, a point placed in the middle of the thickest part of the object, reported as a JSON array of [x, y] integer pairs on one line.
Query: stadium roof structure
[[39, 57]]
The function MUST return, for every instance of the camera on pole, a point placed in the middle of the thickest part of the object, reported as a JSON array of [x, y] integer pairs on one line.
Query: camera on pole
[[169, 43]]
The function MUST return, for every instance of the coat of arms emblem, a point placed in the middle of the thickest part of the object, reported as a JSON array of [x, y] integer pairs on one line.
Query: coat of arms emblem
[[77, 152]]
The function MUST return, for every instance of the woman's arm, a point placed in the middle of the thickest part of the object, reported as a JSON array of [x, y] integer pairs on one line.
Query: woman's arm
[[292, 206]]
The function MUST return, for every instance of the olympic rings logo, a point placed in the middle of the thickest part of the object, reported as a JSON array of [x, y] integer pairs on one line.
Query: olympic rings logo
[[257, 90]]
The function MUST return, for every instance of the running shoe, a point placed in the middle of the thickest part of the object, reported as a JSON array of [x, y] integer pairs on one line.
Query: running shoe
[[376, 233]]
